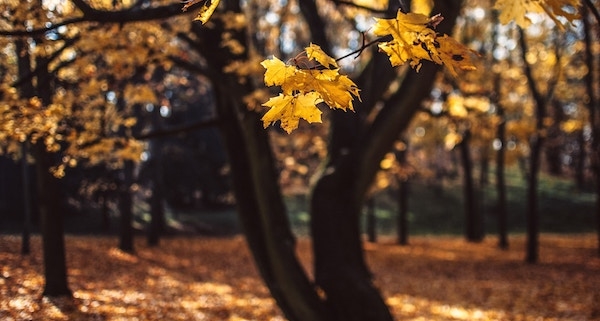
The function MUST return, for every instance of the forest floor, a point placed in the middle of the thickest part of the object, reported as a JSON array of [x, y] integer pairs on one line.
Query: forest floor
[[200, 278]]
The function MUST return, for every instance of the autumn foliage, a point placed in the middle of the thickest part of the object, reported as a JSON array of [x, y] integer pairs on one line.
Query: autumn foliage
[[435, 278]]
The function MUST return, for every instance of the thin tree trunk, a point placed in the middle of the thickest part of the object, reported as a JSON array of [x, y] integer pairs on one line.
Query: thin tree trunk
[[27, 199], [473, 219], [532, 200], [580, 162], [402, 197], [403, 191], [157, 211], [371, 220], [501, 205], [501, 210], [535, 146], [125, 209]]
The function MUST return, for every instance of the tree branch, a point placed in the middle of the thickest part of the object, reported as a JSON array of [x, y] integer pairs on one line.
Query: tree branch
[[90, 14]]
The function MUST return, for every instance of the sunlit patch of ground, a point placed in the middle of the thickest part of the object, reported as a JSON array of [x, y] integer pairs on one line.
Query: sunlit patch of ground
[[435, 278]]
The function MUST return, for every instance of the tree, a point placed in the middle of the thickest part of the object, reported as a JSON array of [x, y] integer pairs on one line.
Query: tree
[[592, 103], [342, 289]]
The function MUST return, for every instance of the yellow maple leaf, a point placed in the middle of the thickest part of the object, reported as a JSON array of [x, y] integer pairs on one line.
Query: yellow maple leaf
[[305, 84], [454, 55], [206, 11], [289, 109], [414, 40], [278, 73], [336, 90]]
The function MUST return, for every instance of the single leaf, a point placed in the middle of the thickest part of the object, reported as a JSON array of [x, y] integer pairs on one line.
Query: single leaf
[[289, 110], [454, 55]]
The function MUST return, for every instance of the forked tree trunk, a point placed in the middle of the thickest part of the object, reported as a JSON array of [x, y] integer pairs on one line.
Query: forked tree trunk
[[535, 146]]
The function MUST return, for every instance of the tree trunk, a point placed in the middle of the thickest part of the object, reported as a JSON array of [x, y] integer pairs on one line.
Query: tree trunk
[[554, 141], [580, 162], [402, 198], [125, 208], [51, 216], [157, 218], [594, 111], [371, 223], [501, 211], [261, 208], [27, 199], [535, 146], [473, 219], [402, 228], [532, 201], [157, 211], [355, 150]]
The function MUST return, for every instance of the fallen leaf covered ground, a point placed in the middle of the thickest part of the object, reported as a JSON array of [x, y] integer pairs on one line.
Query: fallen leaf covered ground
[[434, 278]]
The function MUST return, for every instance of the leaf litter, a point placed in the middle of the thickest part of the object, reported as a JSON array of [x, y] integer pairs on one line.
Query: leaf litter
[[187, 278]]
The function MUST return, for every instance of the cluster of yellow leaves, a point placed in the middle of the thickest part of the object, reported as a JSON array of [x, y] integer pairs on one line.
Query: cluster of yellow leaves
[[313, 78], [517, 10], [434, 278], [414, 39]]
